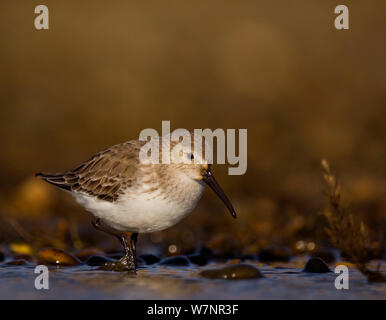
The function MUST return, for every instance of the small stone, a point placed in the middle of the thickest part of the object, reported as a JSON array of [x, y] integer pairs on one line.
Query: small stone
[[198, 259], [140, 261], [116, 256], [21, 249], [57, 257], [274, 254], [375, 276], [149, 258], [24, 257], [316, 265], [17, 262], [206, 252], [178, 261], [97, 261], [218, 253], [233, 272], [224, 256], [248, 257]]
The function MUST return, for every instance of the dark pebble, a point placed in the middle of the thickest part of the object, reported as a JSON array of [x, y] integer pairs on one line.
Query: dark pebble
[[94, 261], [206, 252], [275, 254], [316, 265], [218, 255], [224, 256], [17, 262], [150, 258], [178, 261], [198, 259], [57, 257], [140, 261], [116, 256], [375, 276], [233, 272], [248, 257], [1, 256], [23, 257]]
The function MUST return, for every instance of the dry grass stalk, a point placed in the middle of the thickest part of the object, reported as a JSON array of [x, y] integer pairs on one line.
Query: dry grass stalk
[[345, 233]]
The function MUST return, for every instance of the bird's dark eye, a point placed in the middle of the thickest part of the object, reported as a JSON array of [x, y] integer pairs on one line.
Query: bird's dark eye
[[190, 156]]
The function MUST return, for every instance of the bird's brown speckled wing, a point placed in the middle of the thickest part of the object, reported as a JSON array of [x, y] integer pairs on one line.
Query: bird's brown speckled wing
[[105, 175]]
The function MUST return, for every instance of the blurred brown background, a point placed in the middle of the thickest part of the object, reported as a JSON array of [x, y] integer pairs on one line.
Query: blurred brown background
[[104, 71]]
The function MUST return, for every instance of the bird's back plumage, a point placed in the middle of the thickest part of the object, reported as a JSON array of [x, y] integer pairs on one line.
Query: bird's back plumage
[[105, 175]]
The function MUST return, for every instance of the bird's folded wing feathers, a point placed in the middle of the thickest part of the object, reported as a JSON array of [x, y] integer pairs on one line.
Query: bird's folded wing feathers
[[105, 175]]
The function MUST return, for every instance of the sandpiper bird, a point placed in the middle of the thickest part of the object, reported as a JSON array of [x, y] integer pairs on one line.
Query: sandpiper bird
[[127, 196]]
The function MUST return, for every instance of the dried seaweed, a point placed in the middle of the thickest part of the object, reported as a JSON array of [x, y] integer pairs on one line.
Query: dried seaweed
[[345, 232]]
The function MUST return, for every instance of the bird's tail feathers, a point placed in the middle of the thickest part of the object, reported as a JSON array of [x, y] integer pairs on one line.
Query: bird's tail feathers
[[57, 179]]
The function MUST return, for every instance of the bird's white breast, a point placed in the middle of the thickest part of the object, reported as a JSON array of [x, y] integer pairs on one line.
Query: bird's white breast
[[146, 211]]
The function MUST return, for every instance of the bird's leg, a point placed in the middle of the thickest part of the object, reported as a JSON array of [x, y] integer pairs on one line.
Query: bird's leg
[[97, 224], [129, 259], [133, 241], [128, 240]]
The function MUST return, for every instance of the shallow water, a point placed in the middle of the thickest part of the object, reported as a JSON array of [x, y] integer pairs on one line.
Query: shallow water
[[281, 281]]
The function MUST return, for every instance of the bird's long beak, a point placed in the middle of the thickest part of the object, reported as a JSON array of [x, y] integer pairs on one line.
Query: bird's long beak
[[209, 179]]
